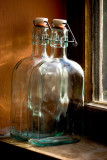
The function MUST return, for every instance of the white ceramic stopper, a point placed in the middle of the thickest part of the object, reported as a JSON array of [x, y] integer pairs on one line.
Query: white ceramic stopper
[[40, 21], [59, 23]]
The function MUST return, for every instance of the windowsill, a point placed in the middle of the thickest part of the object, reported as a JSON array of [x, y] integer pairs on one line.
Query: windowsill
[[97, 105], [95, 119], [85, 149]]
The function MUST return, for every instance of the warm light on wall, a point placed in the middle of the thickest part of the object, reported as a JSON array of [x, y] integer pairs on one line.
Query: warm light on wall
[[15, 41]]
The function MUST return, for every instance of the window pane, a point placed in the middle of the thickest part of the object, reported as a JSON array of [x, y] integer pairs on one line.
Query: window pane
[[104, 60], [100, 50], [97, 65]]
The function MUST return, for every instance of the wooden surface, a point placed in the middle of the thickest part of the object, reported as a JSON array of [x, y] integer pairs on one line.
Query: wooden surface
[[83, 150], [88, 51]]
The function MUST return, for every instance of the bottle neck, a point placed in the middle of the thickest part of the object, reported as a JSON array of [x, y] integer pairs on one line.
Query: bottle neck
[[58, 52], [59, 43], [39, 50], [40, 40]]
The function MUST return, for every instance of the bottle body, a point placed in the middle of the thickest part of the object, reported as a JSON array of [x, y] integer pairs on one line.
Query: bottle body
[[71, 100], [59, 117], [43, 98], [20, 83]]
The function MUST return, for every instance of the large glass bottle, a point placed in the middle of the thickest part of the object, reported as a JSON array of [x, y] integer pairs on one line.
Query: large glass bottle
[[20, 79], [57, 117]]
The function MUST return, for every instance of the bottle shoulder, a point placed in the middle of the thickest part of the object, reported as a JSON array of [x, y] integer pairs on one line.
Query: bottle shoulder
[[72, 66], [56, 65], [19, 63], [25, 67], [27, 62]]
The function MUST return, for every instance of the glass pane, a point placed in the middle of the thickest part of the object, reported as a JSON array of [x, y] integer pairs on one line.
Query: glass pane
[[97, 44], [100, 50], [104, 60]]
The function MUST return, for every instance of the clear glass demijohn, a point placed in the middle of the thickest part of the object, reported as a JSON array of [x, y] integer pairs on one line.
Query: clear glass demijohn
[[21, 76], [56, 97]]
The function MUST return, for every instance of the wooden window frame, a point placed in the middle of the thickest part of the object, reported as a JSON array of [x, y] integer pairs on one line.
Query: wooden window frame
[[91, 49]]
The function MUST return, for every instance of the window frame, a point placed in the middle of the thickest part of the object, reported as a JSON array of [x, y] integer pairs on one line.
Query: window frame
[[93, 51], [88, 51]]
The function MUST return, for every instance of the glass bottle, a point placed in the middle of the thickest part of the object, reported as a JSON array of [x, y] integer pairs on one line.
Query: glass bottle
[[57, 118], [20, 79]]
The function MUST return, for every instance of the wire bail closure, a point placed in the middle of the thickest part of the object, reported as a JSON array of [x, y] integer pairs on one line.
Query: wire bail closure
[[48, 24], [74, 39]]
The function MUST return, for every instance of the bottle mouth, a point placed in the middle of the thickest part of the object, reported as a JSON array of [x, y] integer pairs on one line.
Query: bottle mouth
[[40, 22], [59, 23]]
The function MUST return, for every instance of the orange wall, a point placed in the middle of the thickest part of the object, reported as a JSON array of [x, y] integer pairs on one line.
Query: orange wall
[[16, 18]]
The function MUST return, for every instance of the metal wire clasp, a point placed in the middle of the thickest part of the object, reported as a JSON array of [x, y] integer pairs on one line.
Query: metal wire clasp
[[48, 24], [74, 42], [73, 37]]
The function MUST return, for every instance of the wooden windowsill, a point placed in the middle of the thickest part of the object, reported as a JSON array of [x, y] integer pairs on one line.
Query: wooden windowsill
[[85, 149]]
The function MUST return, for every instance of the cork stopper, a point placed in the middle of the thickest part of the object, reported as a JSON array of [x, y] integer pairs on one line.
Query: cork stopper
[[59, 23], [40, 22]]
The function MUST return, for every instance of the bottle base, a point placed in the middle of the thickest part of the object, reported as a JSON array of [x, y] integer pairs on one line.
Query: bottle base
[[20, 137], [52, 141]]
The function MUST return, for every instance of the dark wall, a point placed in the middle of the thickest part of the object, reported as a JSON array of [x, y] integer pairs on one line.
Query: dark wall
[[76, 20]]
